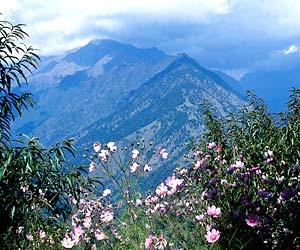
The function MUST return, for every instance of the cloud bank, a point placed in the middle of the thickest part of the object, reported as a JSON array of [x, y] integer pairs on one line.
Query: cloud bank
[[225, 34]]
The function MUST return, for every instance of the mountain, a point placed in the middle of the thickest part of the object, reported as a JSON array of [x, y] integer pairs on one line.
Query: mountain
[[229, 80], [165, 109], [110, 91], [272, 85], [76, 89]]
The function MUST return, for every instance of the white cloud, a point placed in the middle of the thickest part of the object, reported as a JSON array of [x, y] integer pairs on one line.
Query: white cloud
[[292, 49], [49, 20], [220, 32]]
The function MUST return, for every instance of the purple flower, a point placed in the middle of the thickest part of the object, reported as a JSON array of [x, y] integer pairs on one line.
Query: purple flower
[[256, 170], [296, 167], [288, 193], [263, 193], [212, 194], [212, 182], [231, 169]]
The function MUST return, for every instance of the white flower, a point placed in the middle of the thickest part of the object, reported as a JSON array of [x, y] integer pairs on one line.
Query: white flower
[[135, 154], [173, 182], [24, 189], [147, 168], [107, 216], [92, 166], [279, 179], [97, 147], [104, 154], [138, 202], [211, 145], [112, 146], [268, 154], [67, 243], [87, 222], [239, 164], [133, 167], [163, 153], [106, 192]]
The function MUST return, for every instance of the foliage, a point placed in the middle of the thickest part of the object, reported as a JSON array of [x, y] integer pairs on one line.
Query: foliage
[[249, 169], [241, 190], [16, 60], [35, 183]]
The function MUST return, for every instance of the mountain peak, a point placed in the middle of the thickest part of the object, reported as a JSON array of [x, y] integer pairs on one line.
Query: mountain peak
[[97, 49]]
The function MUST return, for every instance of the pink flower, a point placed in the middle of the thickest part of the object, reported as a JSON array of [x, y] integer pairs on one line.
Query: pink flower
[[198, 153], [107, 216], [41, 234], [211, 145], [73, 200], [213, 211], [92, 166], [133, 167], [112, 146], [162, 190], [172, 191], [87, 222], [154, 199], [149, 242], [77, 235], [135, 154], [29, 237], [173, 182], [212, 236], [97, 146], [199, 164], [100, 235], [252, 220], [163, 153], [75, 219], [67, 242]]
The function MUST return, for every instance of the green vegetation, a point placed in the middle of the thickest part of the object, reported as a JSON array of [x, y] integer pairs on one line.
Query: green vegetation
[[35, 183], [240, 189]]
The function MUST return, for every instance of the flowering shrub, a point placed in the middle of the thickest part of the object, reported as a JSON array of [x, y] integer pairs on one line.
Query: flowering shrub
[[240, 191]]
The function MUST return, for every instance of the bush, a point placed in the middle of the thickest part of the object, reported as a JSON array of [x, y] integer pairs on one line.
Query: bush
[[241, 190], [35, 183]]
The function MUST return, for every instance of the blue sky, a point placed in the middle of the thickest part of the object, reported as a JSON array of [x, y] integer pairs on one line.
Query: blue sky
[[236, 36]]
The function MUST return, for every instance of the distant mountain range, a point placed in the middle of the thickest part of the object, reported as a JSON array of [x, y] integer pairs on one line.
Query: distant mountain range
[[272, 85], [109, 91]]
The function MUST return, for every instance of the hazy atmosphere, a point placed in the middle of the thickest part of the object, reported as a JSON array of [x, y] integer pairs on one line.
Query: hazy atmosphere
[[236, 36]]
